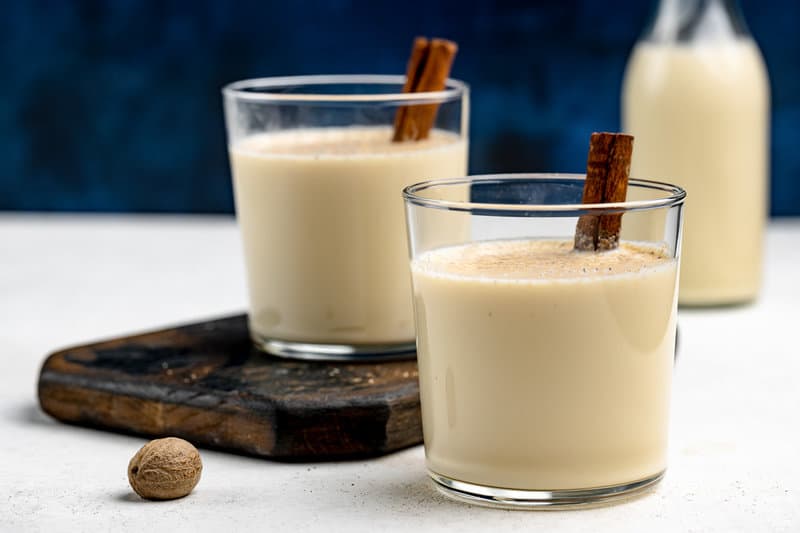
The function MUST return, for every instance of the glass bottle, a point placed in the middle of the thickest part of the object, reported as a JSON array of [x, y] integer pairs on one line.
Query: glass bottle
[[696, 98]]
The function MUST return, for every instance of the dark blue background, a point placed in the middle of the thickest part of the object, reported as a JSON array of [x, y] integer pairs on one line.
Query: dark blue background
[[115, 106]]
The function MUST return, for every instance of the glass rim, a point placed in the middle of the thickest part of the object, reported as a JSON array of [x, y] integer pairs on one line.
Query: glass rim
[[675, 195], [242, 89]]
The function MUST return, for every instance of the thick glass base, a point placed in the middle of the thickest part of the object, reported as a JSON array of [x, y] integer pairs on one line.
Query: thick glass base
[[334, 352], [539, 499]]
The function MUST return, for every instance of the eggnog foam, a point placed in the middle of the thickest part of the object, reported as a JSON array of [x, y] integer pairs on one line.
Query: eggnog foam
[[532, 260], [322, 143]]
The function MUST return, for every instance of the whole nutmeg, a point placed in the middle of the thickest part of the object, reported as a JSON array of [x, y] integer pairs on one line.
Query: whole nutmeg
[[165, 469]]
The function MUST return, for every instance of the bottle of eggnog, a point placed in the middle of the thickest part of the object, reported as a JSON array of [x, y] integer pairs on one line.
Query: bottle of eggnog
[[696, 98]]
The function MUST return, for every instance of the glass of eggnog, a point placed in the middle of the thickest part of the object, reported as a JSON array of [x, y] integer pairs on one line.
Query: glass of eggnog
[[544, 371], [317, 174]]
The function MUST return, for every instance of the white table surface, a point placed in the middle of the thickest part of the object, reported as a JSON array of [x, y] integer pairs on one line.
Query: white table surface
[[735, 444]]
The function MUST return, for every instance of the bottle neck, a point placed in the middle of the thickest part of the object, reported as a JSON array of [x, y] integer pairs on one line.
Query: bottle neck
[[688, 21]]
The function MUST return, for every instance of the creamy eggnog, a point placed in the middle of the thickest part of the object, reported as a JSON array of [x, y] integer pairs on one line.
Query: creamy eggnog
[[700, 114], [323, 229], [542, 368]]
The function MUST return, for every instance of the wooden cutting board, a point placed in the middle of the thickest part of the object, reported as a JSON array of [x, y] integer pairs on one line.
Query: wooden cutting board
[[204, 382]]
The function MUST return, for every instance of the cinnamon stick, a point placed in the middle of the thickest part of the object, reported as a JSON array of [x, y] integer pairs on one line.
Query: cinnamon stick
[[619, 167], [607, 169], [428, 68], [593, 189], [416, 62]]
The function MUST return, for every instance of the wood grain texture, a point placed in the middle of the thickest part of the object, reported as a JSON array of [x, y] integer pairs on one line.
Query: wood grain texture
[[205, 383]]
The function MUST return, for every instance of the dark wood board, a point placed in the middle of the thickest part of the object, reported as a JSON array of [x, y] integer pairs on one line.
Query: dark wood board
[[204, 382]]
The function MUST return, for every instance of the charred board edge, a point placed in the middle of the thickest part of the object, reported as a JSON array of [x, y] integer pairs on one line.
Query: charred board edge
[[209, 419]]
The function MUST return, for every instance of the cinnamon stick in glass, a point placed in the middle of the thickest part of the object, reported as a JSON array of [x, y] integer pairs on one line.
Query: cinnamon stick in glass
[[428, 68], [607, 170]]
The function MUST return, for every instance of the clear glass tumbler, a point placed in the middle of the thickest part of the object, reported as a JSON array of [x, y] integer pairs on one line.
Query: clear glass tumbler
[[545, 372], [317, 183]]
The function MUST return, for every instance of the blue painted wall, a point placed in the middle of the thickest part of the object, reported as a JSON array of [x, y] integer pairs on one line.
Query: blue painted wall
[[115, 106]]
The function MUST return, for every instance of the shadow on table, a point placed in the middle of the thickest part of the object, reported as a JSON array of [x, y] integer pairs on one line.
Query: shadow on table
[[418, 490], [412, 492], [30, 414], [128, 496]]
